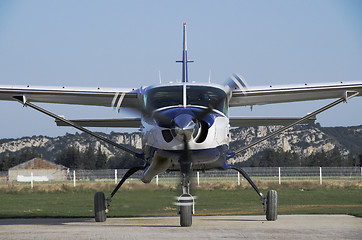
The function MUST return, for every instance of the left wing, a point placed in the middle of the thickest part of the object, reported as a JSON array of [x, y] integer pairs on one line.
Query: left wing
[[109, 97], [292, 93]]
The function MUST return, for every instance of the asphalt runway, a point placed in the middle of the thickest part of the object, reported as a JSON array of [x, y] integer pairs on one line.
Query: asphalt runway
[[204, 227]]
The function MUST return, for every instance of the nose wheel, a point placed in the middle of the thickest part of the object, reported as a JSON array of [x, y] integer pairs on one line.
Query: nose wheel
[[186, 207], [186, 203]]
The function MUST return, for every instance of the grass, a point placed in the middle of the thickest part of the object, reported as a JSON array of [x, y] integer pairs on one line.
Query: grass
[[62, 200]]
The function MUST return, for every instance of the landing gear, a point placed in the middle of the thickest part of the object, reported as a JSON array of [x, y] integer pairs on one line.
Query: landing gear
[[185, 210], [101, 205], [272, 205], [270, 202], [185, 203]]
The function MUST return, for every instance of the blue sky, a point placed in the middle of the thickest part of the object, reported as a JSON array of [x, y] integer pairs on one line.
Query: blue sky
[[127, 43]]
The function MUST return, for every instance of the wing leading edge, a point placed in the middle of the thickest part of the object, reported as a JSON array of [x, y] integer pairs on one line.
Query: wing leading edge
[[108, 97], [292, 93]]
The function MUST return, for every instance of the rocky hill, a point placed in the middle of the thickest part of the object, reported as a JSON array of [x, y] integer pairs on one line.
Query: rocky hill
[[304, 140]]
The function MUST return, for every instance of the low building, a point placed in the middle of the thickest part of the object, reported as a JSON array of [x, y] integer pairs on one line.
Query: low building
[[38, 169]]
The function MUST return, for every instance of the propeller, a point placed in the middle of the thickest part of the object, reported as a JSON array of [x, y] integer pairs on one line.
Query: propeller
[[236, 82]]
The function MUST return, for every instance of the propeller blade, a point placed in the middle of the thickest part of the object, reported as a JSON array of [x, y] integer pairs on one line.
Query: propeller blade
[[237, 82]]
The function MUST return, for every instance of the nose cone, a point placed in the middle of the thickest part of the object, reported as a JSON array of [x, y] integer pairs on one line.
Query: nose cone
[[184, 126]]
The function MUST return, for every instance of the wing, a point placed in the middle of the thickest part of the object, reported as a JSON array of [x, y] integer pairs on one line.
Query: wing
[[292, 93], [109, 97], [117, 123], [265, 121]]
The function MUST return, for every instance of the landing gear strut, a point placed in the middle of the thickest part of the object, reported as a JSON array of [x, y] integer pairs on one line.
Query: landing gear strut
[[270, 202], [101, 205], [185, 202]]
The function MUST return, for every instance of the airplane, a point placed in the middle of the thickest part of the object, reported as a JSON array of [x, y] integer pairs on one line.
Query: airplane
[[185, 125]]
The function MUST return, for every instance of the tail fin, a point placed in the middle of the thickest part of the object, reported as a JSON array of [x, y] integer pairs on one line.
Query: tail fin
[[184, 56]]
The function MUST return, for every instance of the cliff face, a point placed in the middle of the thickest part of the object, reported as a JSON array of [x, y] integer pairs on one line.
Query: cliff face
[[50, 147], [303, 140]]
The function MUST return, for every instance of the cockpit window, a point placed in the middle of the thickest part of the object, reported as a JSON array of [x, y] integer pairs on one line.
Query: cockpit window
[[206, 96], [160, 97], [163, 97]]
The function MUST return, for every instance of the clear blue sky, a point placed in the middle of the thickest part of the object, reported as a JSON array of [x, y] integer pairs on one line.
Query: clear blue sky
[[126, 43]]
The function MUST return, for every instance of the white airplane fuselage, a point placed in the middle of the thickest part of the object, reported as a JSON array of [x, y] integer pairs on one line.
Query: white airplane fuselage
[[178, 114]]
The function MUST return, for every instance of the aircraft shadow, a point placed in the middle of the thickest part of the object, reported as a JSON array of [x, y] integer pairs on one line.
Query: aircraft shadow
[[41, 221], [90, 222], [75, 222], [232, 220]]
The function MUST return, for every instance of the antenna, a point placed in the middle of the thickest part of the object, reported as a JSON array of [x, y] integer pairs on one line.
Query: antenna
[[210, 76], [159, 76]]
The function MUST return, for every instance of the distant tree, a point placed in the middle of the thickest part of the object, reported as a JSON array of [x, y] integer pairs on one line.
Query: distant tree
[[27, 155], [88, 158], [352, 160], [334, 159], [69, 157], [11, 160], [123, 161], [6, 162], [279, 158], [101, 161], [324, 159]]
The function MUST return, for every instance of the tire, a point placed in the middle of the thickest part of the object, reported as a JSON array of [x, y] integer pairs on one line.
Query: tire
[[185, 210], [186, 216], [100, 207], [272, 205]]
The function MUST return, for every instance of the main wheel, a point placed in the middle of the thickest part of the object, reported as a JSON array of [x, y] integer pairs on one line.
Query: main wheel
[[100, 207], [272, 205]]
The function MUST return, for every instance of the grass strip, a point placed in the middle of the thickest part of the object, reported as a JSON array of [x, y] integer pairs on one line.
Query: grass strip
[[145, 200]]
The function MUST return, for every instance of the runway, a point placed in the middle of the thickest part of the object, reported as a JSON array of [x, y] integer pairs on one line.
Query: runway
[[204, 227]]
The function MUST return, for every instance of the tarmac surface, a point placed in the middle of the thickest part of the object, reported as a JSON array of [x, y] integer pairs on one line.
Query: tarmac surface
[[204, 227]]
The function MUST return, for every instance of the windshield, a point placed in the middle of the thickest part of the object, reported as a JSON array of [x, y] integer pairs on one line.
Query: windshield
[[160, 97]]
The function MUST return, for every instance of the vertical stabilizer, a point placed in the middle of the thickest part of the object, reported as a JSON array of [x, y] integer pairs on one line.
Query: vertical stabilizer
[[184, 56]]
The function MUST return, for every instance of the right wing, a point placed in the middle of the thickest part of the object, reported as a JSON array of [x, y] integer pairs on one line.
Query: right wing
[[109, 97], [292, 93], [265, 121]]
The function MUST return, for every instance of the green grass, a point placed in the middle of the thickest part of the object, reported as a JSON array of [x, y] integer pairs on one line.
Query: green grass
[[146, 200]]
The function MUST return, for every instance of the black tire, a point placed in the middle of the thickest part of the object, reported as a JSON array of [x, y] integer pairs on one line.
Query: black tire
[[272, 205], [186, 216], [100, 207]]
